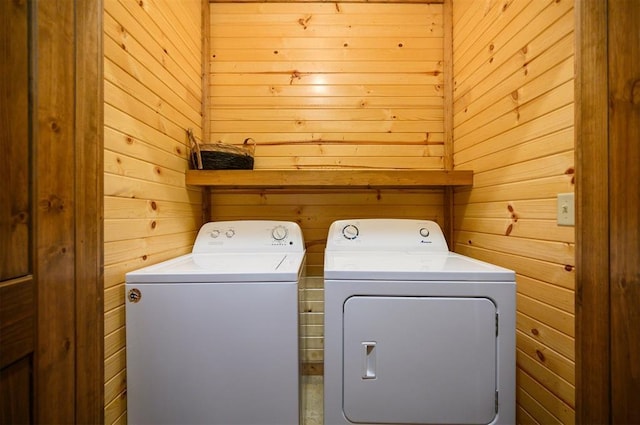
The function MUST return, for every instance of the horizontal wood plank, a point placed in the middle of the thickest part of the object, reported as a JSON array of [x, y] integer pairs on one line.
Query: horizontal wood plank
[[555, 383], [338, 197], [127, 250], [328, 178], [556, 319], [547, 357], [114, 364], [562, 275], [551, 251], [540, 403], [547, 335]]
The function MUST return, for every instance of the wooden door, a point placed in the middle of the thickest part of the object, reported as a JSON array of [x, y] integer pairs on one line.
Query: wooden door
[[51, 309], [17, 295]]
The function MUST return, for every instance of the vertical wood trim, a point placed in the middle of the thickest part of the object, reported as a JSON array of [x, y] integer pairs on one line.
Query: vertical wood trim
[[448, 216], [89, 240], [206, 204], [447, 19], [206, 18], [624, 204], [592, 201], [54, 258], [205, 69]]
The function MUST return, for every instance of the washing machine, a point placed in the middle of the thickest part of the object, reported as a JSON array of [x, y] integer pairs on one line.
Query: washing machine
[[414, 334], [212, 336]]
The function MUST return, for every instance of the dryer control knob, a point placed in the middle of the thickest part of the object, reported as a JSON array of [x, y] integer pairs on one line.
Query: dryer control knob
[[350, 231], [215, 233], [279, 233], [230, 233], [424, 232]]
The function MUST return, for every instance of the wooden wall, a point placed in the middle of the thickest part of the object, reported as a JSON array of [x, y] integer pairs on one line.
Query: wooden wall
[[327, 85], [153, 92], [513, 125]]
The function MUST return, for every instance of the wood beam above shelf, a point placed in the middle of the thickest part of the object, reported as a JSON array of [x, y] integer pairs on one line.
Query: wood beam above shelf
[[328, 178]]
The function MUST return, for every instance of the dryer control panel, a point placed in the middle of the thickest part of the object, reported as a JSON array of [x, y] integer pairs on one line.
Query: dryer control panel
[[249, 236], [386, 235]]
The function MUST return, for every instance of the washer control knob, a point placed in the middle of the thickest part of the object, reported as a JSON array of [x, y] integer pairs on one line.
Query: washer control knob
[[230, 233], [350, 231], [215, 233], [424, 232], [279, 233]]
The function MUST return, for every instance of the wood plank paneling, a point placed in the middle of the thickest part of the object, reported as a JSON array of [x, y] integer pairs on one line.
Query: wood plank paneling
[[153, 93], [513, 119], [352, 1], [540, 403], [355, 80]]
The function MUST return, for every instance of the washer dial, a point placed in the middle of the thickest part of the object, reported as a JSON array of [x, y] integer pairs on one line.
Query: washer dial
[[424, 232], [279, 233], [350, 231]]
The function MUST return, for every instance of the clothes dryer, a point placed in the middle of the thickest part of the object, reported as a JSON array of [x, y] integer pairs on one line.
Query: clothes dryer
[[414, 334], [212, 336]]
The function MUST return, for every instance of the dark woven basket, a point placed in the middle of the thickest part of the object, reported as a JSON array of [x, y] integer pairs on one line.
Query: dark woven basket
[[221, 156], [225, 157]]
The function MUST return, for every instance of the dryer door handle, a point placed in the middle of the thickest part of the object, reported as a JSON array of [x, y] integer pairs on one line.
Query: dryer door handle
[[369, 360]]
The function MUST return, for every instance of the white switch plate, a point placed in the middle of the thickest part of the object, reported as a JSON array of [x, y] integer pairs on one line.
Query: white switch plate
[[566, 209]]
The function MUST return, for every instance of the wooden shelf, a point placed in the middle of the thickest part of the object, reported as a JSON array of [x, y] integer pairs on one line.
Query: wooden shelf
[[328, 178]]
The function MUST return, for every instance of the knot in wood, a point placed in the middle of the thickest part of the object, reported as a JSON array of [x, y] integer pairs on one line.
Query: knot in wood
[[54, 126]]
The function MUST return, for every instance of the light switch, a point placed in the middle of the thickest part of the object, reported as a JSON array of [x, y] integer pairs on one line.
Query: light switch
[[566, 209]]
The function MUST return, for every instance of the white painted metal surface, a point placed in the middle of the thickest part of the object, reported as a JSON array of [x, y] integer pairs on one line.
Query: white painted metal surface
[[415, 334], [212, 336]]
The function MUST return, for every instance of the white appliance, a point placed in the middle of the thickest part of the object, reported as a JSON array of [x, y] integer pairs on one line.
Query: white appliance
[[414, 334], [212, 336]]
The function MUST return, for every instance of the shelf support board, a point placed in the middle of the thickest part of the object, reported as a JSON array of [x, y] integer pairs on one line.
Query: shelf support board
[[330, 179]]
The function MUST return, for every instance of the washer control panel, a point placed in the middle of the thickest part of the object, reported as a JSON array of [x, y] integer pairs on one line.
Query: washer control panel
[[248, 236], [386, 235]]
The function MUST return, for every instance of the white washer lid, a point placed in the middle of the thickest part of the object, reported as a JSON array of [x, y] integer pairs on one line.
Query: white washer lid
[[413, 266], [223, 267]]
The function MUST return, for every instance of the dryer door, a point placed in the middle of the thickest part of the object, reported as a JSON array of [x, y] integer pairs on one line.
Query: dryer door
[[419, 360]]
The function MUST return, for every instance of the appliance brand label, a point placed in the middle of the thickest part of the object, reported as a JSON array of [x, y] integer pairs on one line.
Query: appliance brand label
[[134, 295]]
